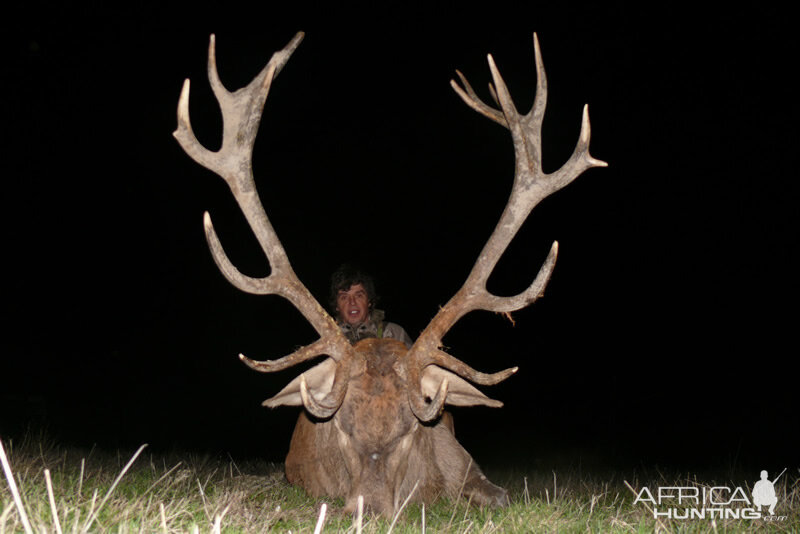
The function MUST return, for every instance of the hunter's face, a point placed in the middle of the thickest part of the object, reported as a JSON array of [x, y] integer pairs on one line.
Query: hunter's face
[[353, 305]]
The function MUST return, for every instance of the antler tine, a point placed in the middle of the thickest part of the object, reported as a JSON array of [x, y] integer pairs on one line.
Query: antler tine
[[333, 400], [471, 98], [241, 115], [531, 185], [430, 410], [321, 346], [442, 359]]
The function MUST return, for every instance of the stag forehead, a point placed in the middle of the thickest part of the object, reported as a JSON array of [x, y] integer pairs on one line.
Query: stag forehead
[[376, 414], [381, 356], [376, 410], [381, 346]]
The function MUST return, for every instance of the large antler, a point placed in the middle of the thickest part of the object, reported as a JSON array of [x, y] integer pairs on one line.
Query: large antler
[[531, 185], [241, 114]]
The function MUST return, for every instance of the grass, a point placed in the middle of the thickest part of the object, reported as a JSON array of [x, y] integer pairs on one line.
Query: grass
[[71, 491]]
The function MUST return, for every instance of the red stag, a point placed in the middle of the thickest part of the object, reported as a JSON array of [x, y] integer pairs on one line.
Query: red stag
[[372, 423]]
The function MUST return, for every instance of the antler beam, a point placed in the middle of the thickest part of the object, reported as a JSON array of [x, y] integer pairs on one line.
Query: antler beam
[[531, 186], [241, 115]]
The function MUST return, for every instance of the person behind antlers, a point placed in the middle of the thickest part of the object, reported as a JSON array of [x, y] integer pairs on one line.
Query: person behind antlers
[[353, 297]]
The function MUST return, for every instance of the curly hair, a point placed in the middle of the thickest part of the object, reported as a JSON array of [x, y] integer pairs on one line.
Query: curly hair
[[344, 278]]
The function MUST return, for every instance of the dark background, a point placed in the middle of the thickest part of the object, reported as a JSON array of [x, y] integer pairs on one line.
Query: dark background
[[667, 331]]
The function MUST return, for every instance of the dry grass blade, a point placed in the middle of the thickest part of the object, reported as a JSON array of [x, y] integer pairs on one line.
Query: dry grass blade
[[163, 517], [400, 511], [460, 492], [80, 480], [526, 494], [555, 487], [359, 514], [93, 502], [216, 528], [52, 500], [321, 519], [13, 486], [93, 516], [4, 517], [162, 477]]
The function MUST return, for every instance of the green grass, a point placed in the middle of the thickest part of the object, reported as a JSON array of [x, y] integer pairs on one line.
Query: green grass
[[167, 493]]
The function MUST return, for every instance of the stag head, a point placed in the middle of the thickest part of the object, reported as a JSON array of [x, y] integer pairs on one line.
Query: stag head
[[372, 399]]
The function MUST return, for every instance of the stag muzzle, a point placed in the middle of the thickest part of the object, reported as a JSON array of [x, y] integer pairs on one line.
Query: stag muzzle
[[373, 485]]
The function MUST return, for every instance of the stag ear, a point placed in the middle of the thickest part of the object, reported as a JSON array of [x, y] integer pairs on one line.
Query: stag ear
[[459, 391], [319, 380]]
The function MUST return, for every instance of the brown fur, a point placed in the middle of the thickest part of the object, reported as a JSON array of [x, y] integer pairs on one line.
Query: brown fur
[[374, 445]]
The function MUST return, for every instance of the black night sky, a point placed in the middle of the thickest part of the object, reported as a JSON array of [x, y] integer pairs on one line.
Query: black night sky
[[667, 331]]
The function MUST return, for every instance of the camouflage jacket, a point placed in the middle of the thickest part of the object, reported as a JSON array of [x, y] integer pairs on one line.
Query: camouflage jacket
[[375, 326]]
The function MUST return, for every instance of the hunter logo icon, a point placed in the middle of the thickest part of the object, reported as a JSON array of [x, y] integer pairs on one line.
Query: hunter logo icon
[[713, 502], [764, 492]]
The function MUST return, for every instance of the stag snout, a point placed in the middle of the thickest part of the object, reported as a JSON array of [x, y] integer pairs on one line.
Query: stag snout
[[373, 486]]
